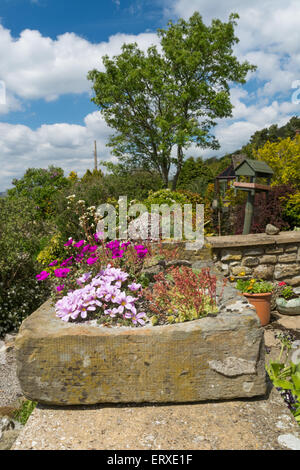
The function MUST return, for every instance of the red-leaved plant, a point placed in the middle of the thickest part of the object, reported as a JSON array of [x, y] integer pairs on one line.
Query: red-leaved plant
[[180, 294]]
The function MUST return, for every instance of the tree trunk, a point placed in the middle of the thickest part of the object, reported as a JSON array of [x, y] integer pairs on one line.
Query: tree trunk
[[179, 166]]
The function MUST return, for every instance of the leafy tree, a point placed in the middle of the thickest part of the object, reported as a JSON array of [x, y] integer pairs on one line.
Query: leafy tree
[[163, 101], [40, 185], [284, 158], [274, 133], [195, 174]]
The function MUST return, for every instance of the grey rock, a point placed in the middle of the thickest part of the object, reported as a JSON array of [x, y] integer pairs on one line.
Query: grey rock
[[272, 230], [233, 366], [178, 262]]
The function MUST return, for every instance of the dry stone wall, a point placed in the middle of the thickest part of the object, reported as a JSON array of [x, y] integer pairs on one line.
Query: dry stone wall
[[274, 258]]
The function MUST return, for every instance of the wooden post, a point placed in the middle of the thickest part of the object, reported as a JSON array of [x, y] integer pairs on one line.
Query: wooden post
[[248, 213], [95, 156]]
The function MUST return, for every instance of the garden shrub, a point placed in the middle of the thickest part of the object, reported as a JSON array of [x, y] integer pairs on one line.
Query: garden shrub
[[292, 208], [21, 237], [40, 185], [268, 209]]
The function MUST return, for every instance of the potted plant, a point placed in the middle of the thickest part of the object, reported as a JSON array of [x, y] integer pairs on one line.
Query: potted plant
[[288, 300], [259, 294]]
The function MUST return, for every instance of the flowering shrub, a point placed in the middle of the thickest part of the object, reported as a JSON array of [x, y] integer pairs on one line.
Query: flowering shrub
[[90, 282], [106, 296], [285, 291], [20, 300], [181, 294]]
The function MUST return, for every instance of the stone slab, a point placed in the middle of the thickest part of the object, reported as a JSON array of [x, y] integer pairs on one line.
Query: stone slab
[[263, 424], [253, 239], [218, 357]]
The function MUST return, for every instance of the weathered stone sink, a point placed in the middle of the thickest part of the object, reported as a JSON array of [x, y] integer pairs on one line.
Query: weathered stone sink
[[211, 358]]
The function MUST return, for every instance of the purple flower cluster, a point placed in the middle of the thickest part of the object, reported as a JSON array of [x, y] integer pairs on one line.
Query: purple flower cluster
[[104, 292], [118, 250]]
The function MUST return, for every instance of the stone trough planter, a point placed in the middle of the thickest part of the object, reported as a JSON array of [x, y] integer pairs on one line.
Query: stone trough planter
[[220, 357], [288, 307]]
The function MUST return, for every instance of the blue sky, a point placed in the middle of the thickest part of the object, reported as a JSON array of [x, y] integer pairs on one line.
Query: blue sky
[[48, 46]]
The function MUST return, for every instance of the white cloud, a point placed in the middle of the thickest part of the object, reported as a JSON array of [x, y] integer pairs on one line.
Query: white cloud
[[34, 66], [268, 31], [66, 145]]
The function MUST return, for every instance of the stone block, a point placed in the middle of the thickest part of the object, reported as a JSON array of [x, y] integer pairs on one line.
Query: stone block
[[294, 281], [250, 261], [240, 270], [273, 250], [291, 248], [268, 259], [253, 251], [231, 255], [283, 271], [220, 357], [264, 271], [287, 258]]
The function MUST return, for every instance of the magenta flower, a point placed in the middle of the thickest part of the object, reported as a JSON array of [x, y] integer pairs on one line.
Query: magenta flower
[[85, 249], [61, 272], [53, 263], [67, 262], [141, 251], [69, 242], [92, 260], [117, 254], [113, 245], [60, 288], [93, 248], [42, 276], [79, 244]]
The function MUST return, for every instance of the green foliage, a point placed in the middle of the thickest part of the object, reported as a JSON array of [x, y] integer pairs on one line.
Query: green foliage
[[53, 250], [40, 185], [292, 208], [287, 293], [134, 183], [25, 411], [274, 133], [195, 175], [165, 196], [170, 99], [254, 286], [21, 238], [285, 376], [284, 159]]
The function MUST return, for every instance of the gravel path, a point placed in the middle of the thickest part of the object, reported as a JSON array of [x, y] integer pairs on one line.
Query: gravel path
[[10, 390]]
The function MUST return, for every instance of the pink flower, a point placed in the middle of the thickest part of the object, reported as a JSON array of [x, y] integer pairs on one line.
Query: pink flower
[[98, 236], [133, 286], [67, 262], [79, 244], [61, 272], [53, 263], [60, 288], [92, 260], [138, 318], [42, 276], [69, 242]]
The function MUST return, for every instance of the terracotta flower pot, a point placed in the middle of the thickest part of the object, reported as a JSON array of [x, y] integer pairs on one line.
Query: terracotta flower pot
[[262, 303]]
